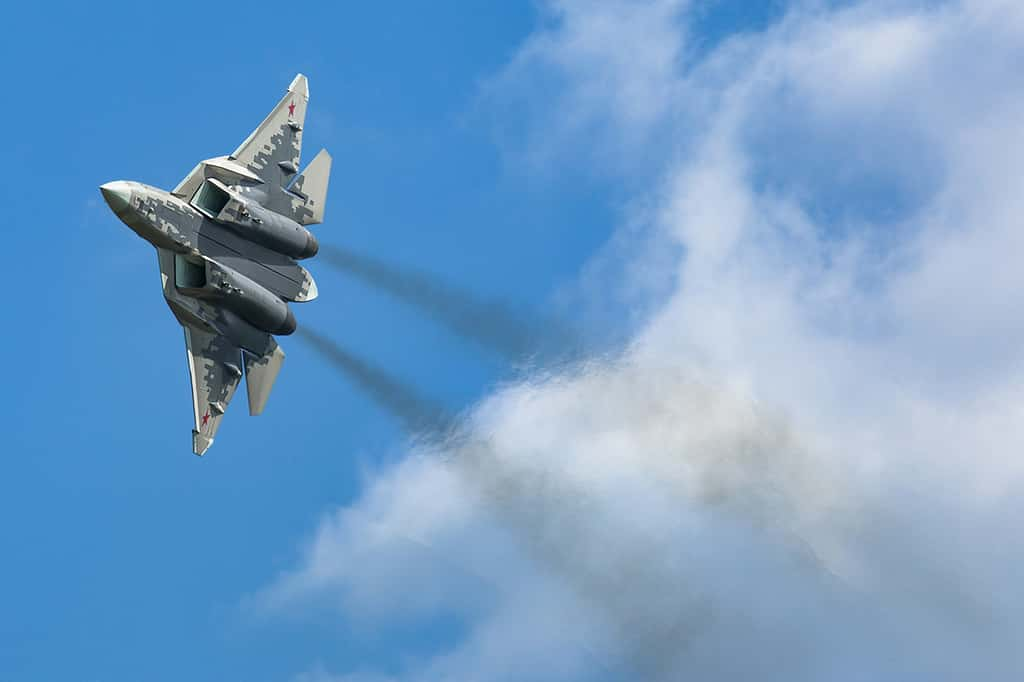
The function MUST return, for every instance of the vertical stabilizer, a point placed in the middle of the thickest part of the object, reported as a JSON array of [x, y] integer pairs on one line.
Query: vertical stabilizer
[[260, 374]]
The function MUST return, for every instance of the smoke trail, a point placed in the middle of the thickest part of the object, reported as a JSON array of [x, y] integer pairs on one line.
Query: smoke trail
[[547, 515], [491, 324], [421, 416], [416, 413]]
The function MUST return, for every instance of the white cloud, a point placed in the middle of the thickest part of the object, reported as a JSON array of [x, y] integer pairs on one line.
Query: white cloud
[[600, 69], [808, 463]]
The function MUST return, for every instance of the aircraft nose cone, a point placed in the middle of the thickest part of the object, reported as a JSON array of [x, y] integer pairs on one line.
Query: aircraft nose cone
[[118, 195]]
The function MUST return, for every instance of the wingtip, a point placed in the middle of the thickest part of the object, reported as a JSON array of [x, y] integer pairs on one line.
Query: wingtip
[[200, 443], [300, 86]]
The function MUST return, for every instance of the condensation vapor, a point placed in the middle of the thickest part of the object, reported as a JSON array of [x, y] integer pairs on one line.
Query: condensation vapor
[[493, 325]]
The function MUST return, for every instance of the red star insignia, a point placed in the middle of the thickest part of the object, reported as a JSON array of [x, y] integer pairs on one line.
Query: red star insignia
[[206, 417], [291, 108]]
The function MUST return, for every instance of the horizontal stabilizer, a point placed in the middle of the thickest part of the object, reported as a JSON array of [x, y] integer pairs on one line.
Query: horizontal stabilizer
[[260, 374], [310, 190]]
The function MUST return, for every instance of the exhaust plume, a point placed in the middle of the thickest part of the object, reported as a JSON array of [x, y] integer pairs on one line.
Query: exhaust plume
[[416, 413], [827, 389], [491, 324], [551, 519]]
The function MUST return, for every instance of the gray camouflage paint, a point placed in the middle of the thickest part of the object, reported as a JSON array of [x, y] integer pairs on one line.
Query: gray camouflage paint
[[305, 202], [239, 302]]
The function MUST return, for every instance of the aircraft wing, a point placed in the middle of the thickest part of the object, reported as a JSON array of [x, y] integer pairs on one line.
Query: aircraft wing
[[214, 364], [271, 152]]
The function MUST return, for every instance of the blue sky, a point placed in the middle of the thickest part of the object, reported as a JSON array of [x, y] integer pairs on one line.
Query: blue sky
[[124, 556], [695, 189]]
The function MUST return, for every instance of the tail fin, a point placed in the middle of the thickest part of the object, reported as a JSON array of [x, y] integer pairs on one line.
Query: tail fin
[[260, 374], [310, 191]]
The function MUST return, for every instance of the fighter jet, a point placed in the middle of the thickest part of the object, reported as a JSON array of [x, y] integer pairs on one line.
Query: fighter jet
[[227, 240]]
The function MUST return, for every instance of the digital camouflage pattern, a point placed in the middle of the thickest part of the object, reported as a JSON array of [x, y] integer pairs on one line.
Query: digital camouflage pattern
[[227, 238]]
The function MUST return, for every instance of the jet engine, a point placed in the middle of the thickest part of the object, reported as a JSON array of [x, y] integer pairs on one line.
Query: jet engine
[[253, 303], [249, 219]]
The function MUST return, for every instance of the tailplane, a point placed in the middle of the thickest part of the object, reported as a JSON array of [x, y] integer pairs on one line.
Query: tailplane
[[309, 191], [260, 374]]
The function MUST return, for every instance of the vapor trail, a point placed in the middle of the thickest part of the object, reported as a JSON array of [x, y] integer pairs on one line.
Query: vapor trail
[[417, 413], [491, 324]]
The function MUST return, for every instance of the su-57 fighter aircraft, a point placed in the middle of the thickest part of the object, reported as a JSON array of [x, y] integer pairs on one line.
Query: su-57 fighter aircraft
[[227, 238]]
